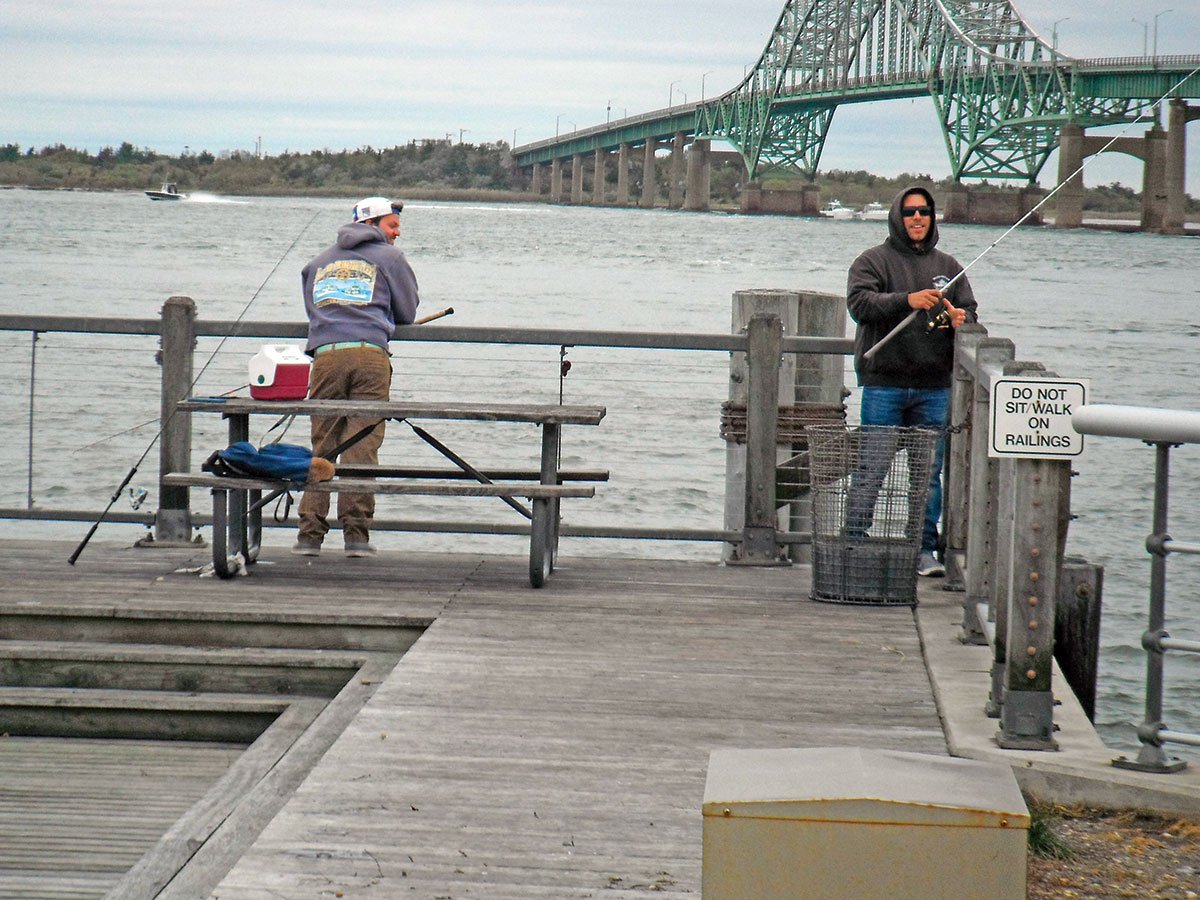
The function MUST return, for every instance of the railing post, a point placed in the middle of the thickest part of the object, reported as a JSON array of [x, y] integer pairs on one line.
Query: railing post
[[1152, 757], [958, 463], [1037, 537], [759, 545], [173, 523], [982, 498], [1001, 585]]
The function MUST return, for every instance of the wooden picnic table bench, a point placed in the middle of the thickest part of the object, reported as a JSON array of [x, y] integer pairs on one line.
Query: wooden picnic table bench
[[238, 502]]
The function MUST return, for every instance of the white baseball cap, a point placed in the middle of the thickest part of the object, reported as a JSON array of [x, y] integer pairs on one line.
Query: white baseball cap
[[374, 207]]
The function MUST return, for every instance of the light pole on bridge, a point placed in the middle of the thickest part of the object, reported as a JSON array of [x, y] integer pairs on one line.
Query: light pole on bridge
[[671, 94], [556, 120], [608, 111], [702, 77], [1054, 34], [1155, 45]]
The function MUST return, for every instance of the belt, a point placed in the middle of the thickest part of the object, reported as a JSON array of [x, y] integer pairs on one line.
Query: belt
[[344, 345]]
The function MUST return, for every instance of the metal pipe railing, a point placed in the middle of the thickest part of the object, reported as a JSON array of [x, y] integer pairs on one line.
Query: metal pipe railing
[[1163, 429]]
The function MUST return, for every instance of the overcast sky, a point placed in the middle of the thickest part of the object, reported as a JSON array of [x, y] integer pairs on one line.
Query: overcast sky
[[310, 74]]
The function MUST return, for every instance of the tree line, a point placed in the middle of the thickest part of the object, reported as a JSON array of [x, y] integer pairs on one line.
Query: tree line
[[428, 168]]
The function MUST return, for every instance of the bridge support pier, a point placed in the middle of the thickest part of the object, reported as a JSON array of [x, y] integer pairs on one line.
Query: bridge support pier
[[1178, 115], [577, 179], [649, 172], [599, 177], [804, 202], [556, 180], [699, 176], [622, 198], [535, 180], [675, 200], [977, 206], [1163, 155], [1154, 179]]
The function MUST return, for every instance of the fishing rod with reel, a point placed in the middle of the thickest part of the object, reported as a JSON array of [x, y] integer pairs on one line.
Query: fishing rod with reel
[[870, 352]]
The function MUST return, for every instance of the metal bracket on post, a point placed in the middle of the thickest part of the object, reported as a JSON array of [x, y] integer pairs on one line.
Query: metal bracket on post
[[759, 545]]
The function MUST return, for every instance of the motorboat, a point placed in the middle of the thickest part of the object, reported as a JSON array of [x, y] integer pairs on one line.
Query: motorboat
[[873, 212], [835, 210], [168, 192]]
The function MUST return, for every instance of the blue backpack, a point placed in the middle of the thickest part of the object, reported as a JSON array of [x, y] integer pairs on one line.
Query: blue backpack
[[286, 462]]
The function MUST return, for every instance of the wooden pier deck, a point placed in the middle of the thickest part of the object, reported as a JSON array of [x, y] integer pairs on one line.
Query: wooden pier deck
[[549, 743]]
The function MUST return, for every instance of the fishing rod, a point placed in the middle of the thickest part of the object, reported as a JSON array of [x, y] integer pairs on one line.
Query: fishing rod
[[1021, 221], [154, 440]]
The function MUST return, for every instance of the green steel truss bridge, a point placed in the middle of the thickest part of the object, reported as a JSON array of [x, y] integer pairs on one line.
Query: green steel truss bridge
[[1001, 92]]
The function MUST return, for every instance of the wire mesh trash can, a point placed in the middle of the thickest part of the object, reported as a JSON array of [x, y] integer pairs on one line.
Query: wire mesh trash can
[[869, 488]]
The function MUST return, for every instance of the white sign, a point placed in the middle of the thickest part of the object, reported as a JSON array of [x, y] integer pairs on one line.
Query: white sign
[[1031, 417]]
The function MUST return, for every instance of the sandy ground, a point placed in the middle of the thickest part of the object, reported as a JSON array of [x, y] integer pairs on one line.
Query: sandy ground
[[1118, 855]]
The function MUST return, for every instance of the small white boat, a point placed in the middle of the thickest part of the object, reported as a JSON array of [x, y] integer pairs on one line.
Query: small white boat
[[168, 192], [835, 210], [873, 212]]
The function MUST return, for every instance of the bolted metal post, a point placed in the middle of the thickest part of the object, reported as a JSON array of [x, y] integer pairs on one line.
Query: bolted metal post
[[173, 521], [1001, 585], [759, 545], [1037, 537]]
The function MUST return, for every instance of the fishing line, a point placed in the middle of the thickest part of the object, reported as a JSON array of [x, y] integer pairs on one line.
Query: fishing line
[[1153, 106], [154, 440]]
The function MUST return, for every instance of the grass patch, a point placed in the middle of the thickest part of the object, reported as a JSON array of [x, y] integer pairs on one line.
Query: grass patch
[[1044, 839]]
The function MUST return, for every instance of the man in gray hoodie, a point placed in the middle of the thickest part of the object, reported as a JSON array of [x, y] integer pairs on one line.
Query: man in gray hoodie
[[906, 382], [355, 294]]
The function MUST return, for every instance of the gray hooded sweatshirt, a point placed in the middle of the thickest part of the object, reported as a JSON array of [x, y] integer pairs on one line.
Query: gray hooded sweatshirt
[[360, 289], [877, 290]]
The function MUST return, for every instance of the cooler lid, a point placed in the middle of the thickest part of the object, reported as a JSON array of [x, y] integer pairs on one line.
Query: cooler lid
[[855, 784]]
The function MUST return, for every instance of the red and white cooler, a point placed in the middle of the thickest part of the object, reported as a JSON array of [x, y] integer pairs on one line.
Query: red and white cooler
[[279, 372]]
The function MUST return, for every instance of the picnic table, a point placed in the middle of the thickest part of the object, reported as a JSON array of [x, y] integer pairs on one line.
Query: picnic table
[[238, 502]]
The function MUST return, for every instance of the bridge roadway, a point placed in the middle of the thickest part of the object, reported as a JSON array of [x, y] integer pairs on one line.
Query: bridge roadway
[[552, 743], [579, 162]]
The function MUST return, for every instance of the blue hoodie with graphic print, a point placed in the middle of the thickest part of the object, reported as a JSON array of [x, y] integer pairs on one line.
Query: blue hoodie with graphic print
[[877, 290], [360, 289]]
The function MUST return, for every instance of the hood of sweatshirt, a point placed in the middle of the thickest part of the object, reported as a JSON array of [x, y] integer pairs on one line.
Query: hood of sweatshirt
[[356, 233], [898, 236]]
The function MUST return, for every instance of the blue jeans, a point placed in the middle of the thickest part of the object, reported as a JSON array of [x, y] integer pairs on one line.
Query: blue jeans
[[910, 407]]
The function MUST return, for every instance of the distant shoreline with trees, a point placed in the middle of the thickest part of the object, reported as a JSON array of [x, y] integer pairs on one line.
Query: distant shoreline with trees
[[423, 170]]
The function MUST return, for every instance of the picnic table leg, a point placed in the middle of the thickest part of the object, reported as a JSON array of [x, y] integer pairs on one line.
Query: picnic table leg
[[239, 430], [220, 528], [551, 444], [540, 563], [253, 528]]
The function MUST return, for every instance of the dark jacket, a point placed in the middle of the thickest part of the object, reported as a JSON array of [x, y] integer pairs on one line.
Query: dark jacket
[[877, 290], [360, 289]]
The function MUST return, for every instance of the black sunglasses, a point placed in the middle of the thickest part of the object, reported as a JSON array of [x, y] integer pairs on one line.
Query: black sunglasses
[[909, 211]]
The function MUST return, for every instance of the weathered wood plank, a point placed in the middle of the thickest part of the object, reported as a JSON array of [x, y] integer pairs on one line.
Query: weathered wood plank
[[547, 744]]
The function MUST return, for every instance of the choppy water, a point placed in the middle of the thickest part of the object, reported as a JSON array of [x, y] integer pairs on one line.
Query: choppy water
[[1122, 310]]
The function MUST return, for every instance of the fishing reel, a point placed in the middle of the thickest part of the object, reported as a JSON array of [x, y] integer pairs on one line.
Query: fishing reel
[[938, 321]]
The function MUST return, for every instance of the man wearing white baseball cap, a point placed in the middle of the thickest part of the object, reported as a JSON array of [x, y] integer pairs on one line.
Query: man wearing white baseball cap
[[355, 294]]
